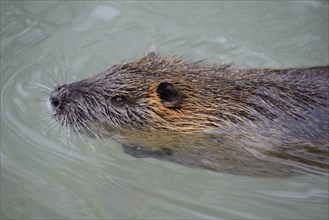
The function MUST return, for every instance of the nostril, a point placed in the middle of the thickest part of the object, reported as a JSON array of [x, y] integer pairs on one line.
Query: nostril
[[54, 101]]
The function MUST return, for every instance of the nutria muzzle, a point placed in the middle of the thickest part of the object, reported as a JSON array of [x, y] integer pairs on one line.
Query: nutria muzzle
[[68, 103], [63, 94]]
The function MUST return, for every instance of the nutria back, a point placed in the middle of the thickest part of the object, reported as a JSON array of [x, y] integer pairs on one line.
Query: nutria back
[[247, 121]]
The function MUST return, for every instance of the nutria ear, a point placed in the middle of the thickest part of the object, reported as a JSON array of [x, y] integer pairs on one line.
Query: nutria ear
[[168, 94]]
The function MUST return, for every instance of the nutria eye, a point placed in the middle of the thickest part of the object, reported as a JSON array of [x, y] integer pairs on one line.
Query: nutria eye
[[119, 100]]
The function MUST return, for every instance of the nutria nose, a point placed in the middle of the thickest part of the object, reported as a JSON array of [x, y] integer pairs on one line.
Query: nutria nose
[[54, 101]]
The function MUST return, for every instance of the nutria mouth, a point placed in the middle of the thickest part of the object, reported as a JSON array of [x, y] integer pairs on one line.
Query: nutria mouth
[[165, 94]]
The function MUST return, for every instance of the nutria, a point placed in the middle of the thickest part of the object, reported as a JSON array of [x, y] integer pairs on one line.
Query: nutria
[[263, 122]]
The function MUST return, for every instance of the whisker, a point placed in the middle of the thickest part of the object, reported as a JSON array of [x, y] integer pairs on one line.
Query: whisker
[[65, 67], [60, 71], [51, 75], [43, 86]]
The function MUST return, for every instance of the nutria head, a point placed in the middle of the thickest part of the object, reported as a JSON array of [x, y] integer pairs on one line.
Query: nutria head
[[152, 93], [163, 93]]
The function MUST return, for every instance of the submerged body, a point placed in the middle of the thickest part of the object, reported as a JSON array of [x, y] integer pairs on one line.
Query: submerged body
[[246, 121]]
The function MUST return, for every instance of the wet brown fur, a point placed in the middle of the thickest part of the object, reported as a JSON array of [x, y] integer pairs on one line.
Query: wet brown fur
[[255, 113]]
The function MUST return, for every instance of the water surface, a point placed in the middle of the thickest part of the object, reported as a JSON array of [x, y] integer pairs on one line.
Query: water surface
[[46, 173]]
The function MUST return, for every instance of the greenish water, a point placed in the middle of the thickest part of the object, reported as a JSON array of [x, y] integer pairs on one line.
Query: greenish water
[[46, 173]]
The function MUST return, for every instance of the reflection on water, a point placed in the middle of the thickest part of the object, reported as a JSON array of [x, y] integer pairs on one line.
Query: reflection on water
[[48, 174], [235, 153]]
